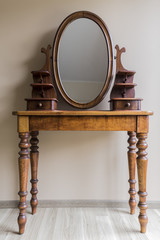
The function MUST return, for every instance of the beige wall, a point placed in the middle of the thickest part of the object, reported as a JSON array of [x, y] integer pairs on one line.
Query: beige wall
[[77, 165]]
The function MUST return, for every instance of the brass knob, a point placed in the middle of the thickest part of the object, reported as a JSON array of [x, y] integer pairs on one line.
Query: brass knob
[[40, 105], [128, 105]]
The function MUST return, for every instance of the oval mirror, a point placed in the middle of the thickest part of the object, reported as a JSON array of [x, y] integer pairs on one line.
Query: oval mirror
[[83, 59]]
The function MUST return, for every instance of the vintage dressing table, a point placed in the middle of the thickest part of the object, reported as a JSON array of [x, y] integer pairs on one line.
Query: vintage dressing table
[[76, 88]]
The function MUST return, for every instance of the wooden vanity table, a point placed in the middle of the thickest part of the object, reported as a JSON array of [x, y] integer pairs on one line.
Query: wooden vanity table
[[81, 70], [134, 122]]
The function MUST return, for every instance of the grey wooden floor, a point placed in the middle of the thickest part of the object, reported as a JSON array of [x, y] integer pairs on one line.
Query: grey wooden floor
[[79, 224]]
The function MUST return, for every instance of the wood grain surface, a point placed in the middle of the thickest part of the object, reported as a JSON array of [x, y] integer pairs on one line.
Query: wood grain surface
[[84, 113], [79, 224]]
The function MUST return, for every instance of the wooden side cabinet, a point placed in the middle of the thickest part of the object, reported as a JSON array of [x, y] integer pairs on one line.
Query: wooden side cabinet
[[135, 123]]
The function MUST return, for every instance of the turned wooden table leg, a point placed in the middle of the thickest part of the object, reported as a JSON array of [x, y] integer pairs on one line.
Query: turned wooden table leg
[[132, 167], [142, 174], [23, 175], [34, 154]]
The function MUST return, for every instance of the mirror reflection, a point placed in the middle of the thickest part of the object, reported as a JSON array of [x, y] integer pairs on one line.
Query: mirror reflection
[[83, 60]]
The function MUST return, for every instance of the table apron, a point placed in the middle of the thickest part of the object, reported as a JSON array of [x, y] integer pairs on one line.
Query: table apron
[[88, 123], [83, 123]]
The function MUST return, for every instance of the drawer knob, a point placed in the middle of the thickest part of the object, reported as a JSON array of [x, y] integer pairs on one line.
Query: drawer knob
[[128, 105], [40, 105]]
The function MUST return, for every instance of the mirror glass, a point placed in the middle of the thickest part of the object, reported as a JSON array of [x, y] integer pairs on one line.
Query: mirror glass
[[82, 60]]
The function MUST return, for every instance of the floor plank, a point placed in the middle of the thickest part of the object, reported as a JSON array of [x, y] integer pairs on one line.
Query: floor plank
[[79, 224]]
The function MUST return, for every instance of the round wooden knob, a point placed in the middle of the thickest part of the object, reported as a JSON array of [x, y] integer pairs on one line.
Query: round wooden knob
[[40, 105], [128, 104]]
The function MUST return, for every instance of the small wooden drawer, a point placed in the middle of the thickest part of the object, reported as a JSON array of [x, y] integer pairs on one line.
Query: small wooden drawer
[[125, 104], [41, 104]]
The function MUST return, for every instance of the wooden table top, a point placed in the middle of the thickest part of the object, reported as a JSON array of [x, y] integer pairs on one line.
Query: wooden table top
[[82, 113]]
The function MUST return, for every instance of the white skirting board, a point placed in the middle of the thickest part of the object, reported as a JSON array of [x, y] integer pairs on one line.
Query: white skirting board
[[77, 203]]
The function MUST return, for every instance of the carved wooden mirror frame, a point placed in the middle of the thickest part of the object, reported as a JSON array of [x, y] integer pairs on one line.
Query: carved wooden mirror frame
[[62, 27]]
